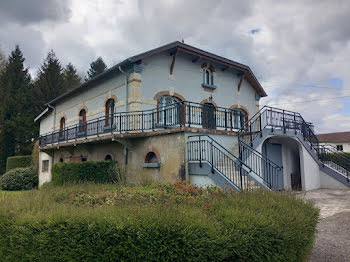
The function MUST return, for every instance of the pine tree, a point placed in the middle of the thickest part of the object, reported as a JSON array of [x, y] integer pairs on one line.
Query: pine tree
[[71, 77], [50, 82], [2, 61], [16, 111], [96, 67]]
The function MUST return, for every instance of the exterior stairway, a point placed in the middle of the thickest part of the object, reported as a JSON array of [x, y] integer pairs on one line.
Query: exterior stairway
[[207, 156], [271, 121]]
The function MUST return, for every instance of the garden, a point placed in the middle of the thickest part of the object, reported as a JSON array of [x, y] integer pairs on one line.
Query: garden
[[75, 218]]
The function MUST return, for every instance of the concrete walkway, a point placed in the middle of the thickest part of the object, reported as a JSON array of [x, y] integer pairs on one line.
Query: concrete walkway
[[333, 231]]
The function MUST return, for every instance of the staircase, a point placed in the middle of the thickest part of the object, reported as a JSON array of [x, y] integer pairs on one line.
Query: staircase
[[274, 121], [207, 156]]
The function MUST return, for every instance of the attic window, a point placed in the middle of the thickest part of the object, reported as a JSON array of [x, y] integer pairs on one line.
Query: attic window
[[208, 76]]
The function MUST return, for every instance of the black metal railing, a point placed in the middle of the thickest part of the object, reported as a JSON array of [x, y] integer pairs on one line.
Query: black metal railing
[[335, 159], [203, 148], [176, 115], [275, 118], [262, 166]]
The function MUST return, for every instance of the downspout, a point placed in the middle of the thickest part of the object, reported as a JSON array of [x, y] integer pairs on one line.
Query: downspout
[[126, 89]]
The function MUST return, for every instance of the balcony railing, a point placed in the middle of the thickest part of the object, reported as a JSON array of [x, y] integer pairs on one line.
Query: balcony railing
[[181, 114]]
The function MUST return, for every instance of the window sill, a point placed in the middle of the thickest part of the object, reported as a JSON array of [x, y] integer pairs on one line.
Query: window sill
[[151, 165], [209, 86]]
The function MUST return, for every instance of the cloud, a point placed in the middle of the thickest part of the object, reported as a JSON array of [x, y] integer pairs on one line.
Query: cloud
[[34, 11], [288, 45]]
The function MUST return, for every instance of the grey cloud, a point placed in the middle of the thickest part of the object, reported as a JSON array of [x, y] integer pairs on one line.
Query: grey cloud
[[33, 11]]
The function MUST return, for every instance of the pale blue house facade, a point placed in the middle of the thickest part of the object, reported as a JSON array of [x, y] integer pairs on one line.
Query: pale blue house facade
[[180, 113]]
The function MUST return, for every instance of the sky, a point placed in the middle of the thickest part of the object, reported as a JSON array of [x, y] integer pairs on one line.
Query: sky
[[298, 50]]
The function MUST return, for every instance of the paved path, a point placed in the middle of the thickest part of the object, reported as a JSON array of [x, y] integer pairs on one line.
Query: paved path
[[333, 231]]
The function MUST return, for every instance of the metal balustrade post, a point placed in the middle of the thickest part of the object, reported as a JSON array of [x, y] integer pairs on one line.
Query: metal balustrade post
[[141, 121], [251, 135], [98, 123], [225, 119], [120, 122], [164, 117], [153, 121], [212, 157], [200, 151], [283, 122], [189, 114]]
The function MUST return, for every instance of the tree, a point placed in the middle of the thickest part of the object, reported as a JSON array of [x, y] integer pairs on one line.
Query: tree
[[2, 61], [50, 82], [71, 77], [96, 67], [16, 110]]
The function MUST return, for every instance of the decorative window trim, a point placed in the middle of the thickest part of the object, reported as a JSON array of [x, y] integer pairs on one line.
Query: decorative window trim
[[208, 76]]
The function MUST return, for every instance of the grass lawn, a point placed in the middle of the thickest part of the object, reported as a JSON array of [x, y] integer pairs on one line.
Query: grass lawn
[[161, 222]]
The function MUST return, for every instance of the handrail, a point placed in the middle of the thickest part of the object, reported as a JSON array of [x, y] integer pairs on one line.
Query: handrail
[[262, 167], [336, 158]]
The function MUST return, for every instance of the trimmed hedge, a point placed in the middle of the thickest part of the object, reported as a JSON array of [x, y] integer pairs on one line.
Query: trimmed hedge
[[19, 179], [18, 161], [340, 158], [259, 226], [92, 171]]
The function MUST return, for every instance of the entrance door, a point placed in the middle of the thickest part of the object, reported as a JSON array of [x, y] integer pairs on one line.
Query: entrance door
[[274, 153], [208, 116]]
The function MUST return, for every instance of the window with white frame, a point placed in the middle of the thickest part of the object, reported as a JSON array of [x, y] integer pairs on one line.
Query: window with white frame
[[340, 147], [238, 118], [45, 166], [169, 110]]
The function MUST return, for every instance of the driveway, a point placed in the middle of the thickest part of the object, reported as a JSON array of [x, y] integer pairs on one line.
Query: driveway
[[332, 241]]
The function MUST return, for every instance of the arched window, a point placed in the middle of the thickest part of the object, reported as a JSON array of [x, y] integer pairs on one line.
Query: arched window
[[151, 157], [61, 160], [208, 76], [62, 126], [82, 120], [239, 119], [169, 110], [109, 112], [108, 158]]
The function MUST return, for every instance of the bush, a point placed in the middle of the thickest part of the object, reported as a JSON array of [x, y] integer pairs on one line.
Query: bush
[[93, 171], [19, 179], [258, 226], [18, 161]]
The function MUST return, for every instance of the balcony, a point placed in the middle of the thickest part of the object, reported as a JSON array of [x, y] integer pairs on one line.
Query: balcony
[[180, 115]]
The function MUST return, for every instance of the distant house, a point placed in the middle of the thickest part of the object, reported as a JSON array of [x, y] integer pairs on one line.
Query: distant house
[[339, 140], [181, 113]]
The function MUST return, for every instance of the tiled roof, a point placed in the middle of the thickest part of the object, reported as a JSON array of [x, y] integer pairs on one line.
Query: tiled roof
[[339, 137]]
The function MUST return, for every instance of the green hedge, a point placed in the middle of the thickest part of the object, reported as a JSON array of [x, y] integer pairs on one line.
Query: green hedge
[[18, 161], [93, 171], [340, 158], [260, 226], [19, 179]]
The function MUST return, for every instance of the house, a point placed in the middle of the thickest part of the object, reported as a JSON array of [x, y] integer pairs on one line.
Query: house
[[339, 140], [180, 113]]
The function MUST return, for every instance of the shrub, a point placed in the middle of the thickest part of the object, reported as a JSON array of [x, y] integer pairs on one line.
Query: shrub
[[257, 226], [19, 179], [18, 161], [340, 158], [93, 171]]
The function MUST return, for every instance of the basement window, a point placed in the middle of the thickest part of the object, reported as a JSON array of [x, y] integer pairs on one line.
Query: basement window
[[108, 158], [45, 166], [151, 160]]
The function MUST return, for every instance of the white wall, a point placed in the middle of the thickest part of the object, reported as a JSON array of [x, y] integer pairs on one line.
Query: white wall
[[346, 146], [44, 176]]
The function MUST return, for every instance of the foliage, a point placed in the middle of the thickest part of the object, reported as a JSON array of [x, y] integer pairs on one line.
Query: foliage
[[16, 108], [340, 158], [18, 161], [96, 67], [19, 179], [71, 77], [159, 222], [94, 171], [50, 82]]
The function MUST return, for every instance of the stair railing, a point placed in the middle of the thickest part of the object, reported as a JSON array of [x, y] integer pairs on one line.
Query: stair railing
[[339, 161], [203, 148]]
